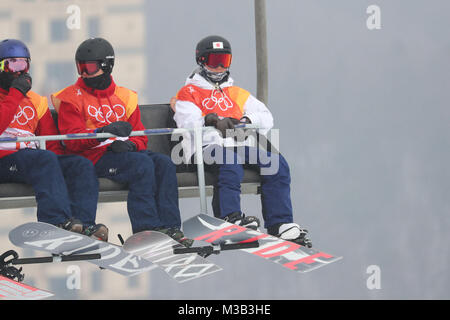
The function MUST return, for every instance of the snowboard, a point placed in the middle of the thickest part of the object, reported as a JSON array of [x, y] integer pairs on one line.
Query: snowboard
[[288, 254], [46, 237], [13, 290], [159, 248]]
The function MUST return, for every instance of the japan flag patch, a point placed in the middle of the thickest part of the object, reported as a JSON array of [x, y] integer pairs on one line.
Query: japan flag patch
[[218, 45]]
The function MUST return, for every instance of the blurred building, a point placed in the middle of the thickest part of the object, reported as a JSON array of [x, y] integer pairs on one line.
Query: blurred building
[[53, 29]]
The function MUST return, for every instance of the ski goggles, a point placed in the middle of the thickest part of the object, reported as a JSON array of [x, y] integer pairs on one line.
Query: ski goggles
[[214, 60], [88, 67], [15, 65]]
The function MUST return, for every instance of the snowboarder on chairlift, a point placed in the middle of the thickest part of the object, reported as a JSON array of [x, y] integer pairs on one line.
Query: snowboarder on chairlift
[[96, 104], [209, 98], [66, 186]]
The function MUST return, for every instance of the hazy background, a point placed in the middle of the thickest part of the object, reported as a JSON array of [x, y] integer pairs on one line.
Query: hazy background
[[364, 123]]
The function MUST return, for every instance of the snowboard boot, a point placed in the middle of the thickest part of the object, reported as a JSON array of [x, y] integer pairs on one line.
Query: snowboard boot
[[97, 231], [72, 224], [290, 232], [177, 235], [250, 222]]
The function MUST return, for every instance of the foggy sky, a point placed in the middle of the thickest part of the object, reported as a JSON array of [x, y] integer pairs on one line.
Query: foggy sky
[[363, 118]]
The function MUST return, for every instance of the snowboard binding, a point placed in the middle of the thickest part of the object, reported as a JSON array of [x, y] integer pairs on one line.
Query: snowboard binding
[[8, 271]]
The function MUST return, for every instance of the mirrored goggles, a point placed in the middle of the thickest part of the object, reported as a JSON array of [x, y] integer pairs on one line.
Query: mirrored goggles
[[215, 60], [88, 67], [15, 65]]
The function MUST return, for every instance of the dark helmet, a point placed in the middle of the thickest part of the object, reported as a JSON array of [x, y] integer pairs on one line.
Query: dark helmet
[[216, 44], [12, 48], [96, 49]]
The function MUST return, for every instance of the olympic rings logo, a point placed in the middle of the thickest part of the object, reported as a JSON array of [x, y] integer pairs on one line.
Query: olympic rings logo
[[217, 99], [24, 115], [113, 114]]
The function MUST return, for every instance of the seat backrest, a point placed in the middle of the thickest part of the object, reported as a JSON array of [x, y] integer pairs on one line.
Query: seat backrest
[[155, 116], [55, 116], [161, 116]]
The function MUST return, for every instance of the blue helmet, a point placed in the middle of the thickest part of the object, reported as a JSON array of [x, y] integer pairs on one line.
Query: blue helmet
[[12, 48]]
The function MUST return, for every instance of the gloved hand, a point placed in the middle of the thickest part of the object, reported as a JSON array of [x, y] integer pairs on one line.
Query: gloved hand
[[211, 119], [118, 128], [242, 133], [22, 83], [245, 120], [122, 146], [226, 123]]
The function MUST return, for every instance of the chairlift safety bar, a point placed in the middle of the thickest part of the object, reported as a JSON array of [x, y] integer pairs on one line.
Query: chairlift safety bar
[[198, 140]]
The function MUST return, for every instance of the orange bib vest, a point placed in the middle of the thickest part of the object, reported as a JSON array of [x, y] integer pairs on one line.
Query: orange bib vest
[[226, 102], [24, 124], [98, 111]]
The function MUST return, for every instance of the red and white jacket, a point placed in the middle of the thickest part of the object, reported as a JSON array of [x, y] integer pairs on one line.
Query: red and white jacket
[[199, 97], [25, 116], [82, 110]]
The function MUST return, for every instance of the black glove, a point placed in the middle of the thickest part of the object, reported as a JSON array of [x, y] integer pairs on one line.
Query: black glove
[[118, 128], [122, 146], [211, 119], [22, 83], [226, 123]]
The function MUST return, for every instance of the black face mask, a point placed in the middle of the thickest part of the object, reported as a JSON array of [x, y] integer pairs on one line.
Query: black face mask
[[6, 78], [100, 82]]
